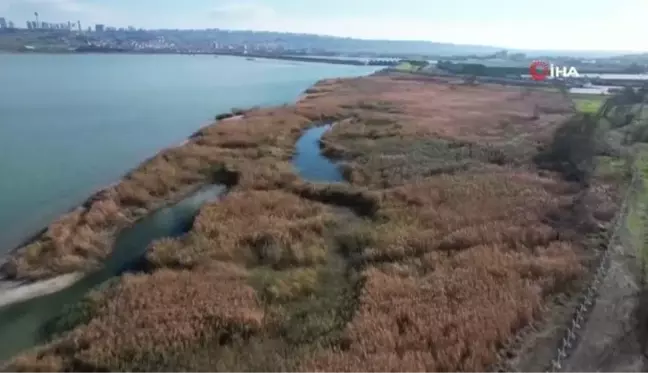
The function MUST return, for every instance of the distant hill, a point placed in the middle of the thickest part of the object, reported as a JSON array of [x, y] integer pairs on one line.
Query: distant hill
[[348, 45], [568, 53], [377, 47], [328, 43], [639, 57]]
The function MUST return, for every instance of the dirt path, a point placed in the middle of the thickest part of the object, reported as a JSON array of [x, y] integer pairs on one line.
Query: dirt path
[[611, 338]]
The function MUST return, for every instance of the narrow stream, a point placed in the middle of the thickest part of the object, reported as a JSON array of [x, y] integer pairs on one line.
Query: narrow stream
[[309, 161], [21, 324]]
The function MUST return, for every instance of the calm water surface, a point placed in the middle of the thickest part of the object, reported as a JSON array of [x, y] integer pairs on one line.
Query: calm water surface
[[70, 124], [309, 161]]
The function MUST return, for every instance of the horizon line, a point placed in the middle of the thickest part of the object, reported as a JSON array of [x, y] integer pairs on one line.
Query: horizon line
[[473, 45]]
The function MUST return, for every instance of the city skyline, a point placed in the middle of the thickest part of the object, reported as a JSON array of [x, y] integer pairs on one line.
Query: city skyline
[[611, 25], [37, 23]]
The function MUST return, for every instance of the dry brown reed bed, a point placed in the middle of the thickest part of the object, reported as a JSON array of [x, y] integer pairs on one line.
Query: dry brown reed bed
[[261, 228], [456, 243], [459, 265], [206, 300], [168, 311]]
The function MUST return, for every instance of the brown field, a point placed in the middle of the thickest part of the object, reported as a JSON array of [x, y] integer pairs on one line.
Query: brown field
[[446, 242]]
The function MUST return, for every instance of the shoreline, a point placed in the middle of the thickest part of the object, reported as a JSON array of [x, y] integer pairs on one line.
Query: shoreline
[[32, 288], [84, 203], [14, 291], [307, 59], [33, 237], [18, 291]]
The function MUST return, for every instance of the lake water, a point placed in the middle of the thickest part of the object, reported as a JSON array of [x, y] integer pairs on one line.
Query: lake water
[[70, 124]]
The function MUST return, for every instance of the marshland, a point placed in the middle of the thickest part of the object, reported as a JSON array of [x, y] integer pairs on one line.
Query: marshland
[[449, 220]]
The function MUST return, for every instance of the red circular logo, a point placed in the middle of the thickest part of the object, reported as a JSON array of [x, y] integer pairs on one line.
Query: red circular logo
[[539, 70]]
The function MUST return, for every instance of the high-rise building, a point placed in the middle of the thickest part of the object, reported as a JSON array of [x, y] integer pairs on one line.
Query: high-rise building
[[11, 25], [79, 26], [3, 23], [99, 28], [30, 25]]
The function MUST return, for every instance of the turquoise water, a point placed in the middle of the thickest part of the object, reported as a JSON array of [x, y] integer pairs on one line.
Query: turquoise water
[[70, 124]]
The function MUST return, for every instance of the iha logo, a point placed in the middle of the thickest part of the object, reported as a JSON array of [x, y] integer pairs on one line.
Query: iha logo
[[541, 70]]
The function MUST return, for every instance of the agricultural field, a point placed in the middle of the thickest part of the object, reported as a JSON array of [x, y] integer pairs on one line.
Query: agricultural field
[[588, 103], [469, 214]]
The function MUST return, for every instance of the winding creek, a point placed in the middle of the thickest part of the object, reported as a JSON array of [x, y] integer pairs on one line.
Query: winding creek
[[309, 162], [22, 324]]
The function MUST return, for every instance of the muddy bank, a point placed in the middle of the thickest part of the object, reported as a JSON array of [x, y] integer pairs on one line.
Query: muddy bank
[[14, 292]]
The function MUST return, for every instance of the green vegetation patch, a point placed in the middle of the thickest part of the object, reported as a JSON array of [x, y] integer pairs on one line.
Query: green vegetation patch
[[393, 161], [588, 104], [79, 313], [637, 215], [612, 168]]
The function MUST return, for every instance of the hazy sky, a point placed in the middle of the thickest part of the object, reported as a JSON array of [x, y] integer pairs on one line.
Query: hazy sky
[[562, 24]]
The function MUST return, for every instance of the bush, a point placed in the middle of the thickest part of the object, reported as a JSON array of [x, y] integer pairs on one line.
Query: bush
[[574, 147]]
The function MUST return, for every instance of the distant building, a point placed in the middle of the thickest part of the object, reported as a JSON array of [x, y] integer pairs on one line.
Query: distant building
[[79, 25], [3, 23], [100, 28], [12, 25]]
